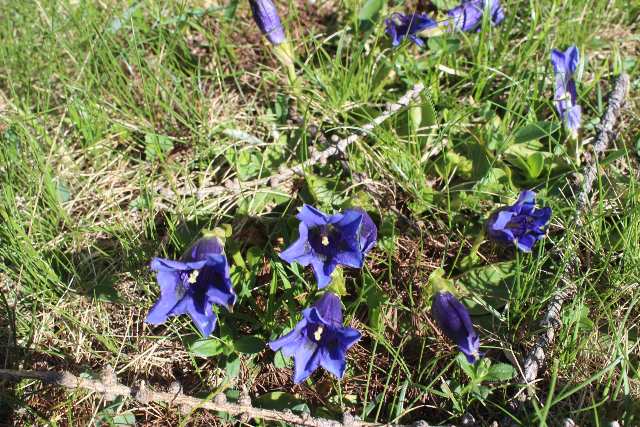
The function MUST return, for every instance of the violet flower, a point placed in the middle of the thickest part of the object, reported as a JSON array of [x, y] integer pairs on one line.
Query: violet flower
[[400, 26], [327, 241], [319, 339], [266, 16], [468, 15], [565, 96], [521, 224], [193, 284], [454, 320]]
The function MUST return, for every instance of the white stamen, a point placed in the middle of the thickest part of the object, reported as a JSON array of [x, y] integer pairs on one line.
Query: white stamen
[[318, 333], [193, 276], [325, 241]]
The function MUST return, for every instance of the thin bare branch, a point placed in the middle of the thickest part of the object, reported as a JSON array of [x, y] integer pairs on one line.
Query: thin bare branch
[[109, 386], [552, 321], [319, 157]]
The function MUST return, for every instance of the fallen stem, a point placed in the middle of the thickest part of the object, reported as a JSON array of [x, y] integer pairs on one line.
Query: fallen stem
[[319, 157], [552, 322], [108, 386]]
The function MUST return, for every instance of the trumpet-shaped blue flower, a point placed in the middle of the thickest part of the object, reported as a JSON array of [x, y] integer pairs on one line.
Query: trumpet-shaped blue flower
[[468, 15], [400, 26], [521, 224], [193, 284], [319, 339], [327, 241], [454, 320], [266, 16], [565, 96]]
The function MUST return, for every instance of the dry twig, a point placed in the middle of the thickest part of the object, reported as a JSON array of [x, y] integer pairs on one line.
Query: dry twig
[[110, 388], [552, 321], [286, 174]]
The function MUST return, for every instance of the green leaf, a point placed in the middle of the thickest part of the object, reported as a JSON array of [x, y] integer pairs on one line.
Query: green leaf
[[488, 285], [64, 194], [429, 114], [230, 10], [529, 157], [370, 9], [156, 147], [535, 131], [233, 367], [279, 361], [280, 400], [258, 201], [500, 372], [322, 190], [207, 347], [124, 419], [337, 285], [438, 283], [443, 45], [249, 344], [466, 367], [254, 256], [387, 233], [535, 162], [445, 4], [248, 162]]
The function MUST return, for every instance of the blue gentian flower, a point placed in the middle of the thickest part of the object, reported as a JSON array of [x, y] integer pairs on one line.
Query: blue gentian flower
[[327, 241], [266, 16], [565, 97], [521, 224], [319, 339], [454, 320], [193, 284], [400, 26], [468, 15]]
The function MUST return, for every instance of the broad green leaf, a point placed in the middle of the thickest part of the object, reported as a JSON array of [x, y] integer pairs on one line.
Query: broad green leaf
[[429, 114], [249, 344], [536, 165], [281, 400], [124, 419], [323, 190], [230, 10], [233, 367], [64, 194], [500, 372], [535, 131], [337, 285], [279, 361], [465, 366], [207, 347], [156, 147], [370, 9], [258, 201], [489, 284]]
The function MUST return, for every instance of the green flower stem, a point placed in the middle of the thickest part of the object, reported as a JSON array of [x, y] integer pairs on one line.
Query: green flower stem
[[285, 55]]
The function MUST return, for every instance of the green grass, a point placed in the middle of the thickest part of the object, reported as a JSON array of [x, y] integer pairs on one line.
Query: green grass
[[104, 127]]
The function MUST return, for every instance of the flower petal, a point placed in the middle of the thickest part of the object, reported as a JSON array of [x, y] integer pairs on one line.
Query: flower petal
[[322, 271], [329, 308], [307, 360], [312, 217], [266, 16], [572, 59], [525, 243], [203, 247], [170, 285], [202, 316], [333, 360], [163, 264], [289, 342], [300, 250]]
